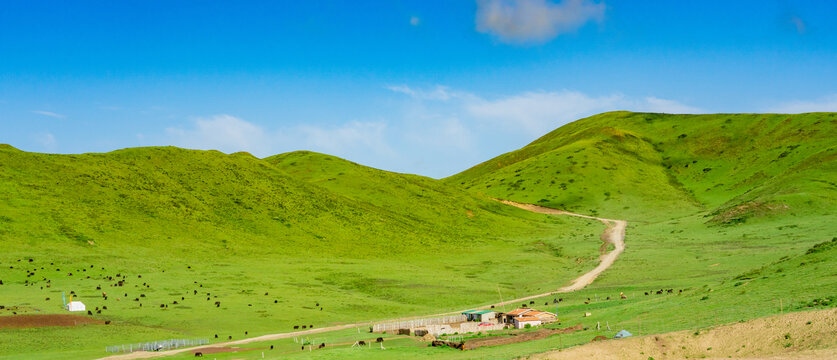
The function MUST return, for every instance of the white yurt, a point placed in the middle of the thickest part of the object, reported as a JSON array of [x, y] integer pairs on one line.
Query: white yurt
[[75, 306]]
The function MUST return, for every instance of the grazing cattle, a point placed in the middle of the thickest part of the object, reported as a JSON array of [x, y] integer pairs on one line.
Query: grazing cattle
[[198, 354], [659, 292], [560, 299], [546, 303], [182, 298], [532, 302], [275, 301], [271, 347], [623, 296], [586, 303], [162, 305], [217, 304], [646, 293], [296, 327], [104, 307], [361, 343], [679, 292], [98, 311], [317, 304], [303, 326], [670, 291], [47, 299], [89, 313], [492, 306], [321, 346], [216, 336], [302, 347], [380, 339], [174, 302], [99, 287], [229, 337], [608, 298], [107, 322], [265, 294], [196, 292], [310, 326], [136, 299]]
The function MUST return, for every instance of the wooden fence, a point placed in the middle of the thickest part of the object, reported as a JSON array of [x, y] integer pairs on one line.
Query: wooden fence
[[411, 324]]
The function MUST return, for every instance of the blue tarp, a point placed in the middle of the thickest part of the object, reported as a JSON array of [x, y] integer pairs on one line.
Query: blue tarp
[[622, 334]]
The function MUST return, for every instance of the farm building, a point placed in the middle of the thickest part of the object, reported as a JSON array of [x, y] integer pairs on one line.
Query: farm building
[[479, 315], [75, 306], [520, 322], [542, 316]]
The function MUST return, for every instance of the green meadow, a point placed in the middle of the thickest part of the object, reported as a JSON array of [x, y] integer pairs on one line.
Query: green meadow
[[733, 212]]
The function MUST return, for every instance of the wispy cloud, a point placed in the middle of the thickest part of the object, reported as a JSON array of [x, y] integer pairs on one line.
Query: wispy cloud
[[534, 21], [536, 112], [225, 133], [415, 21], [46, 141], [354, 140], [48, 113], [798, 23], [824, 104]]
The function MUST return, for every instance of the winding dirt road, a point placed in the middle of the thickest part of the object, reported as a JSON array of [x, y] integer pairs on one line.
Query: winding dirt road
[[613, 234]]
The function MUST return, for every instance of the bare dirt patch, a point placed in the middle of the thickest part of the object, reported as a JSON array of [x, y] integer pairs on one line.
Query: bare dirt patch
[[518, 338], [797, 336], [33, 321]]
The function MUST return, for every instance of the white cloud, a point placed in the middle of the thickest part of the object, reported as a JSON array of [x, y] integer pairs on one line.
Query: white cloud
[[824, 104], [351, 138], [364, 142], [654, 104], [415, 21], [48, 113], [221, 132], [539, 112], [47, 141], [534, 21], [536, 112], [437, 93]]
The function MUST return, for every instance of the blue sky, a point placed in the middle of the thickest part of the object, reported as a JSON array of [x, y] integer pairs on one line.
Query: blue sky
[[426, 87]]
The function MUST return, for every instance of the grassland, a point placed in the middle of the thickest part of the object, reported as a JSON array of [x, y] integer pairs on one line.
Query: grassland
[[198, 227], [736, 210]]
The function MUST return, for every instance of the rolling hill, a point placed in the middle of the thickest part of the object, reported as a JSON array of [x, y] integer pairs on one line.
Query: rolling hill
[[735, 210], [654, 166], [274, 245]]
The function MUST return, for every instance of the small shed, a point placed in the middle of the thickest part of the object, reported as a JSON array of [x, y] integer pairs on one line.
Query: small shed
[[479, 315], [622, 334], [75, 306], [520, 322]]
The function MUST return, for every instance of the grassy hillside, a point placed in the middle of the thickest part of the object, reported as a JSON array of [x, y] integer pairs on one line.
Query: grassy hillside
[[275, 248], [653, 166]]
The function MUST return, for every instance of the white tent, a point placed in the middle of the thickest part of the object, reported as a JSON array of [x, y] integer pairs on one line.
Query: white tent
[[76, 306]]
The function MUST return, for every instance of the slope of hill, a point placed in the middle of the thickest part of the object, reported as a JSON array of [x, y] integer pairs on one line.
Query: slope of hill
[[168, 232], [655, 166]]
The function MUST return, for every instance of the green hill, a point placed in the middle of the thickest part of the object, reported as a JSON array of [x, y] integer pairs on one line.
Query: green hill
[[652, 166], [267, 238]]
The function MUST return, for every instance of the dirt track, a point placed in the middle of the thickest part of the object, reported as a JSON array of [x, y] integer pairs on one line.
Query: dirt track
[[614, 234]]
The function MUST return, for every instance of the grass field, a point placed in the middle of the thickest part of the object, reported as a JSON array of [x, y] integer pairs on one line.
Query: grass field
[[729, 208], [198, 227]]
